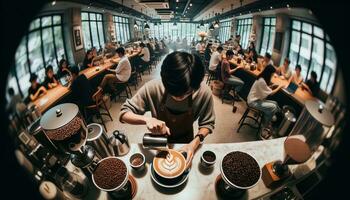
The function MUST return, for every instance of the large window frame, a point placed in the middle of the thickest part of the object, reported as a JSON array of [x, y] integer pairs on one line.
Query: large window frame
[[267, 41], [182, 30], [93, 19], [244, 28], [122, 29], [42, 25], [314, 33], [225, 30]]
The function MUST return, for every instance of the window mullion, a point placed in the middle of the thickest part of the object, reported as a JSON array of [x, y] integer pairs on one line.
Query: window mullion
[[42, 44]]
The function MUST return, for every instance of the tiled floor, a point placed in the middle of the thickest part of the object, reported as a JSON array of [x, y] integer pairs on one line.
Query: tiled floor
[[226, 123]]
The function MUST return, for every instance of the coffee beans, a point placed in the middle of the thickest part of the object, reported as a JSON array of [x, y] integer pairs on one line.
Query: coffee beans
[[110, 173], [209, 156], [137, 160], [241, 169], [65, 131]]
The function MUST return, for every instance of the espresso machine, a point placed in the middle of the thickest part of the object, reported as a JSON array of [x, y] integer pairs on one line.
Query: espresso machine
[[66, 129]]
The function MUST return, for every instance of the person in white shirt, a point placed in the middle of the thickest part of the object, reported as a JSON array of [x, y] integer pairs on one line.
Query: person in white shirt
[[297, 78], [144, 53], [215, 59], [260, 91], [120, 75]]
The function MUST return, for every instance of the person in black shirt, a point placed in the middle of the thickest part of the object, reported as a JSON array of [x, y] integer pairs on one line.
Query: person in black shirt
[[50, 79], [35, 89], [312, 85], [87, 60], [240, 50], [251, 47], [207, 52], [81, 88], [63, 69]]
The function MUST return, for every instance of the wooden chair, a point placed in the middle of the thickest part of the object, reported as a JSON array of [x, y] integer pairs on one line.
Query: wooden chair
[[95, 108]]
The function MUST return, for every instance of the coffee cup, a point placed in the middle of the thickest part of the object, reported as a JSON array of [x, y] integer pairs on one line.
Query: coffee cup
[[137, 161], [208, 159], [169, 164]]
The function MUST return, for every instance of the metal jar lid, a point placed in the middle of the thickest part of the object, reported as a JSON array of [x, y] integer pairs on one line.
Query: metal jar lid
[[319, 113], [94, 131], [59, 116]]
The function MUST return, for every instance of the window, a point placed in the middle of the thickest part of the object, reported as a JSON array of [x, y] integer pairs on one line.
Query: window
[[311, 48], [122, 29], [43, 45], [92, 25], [225, 30], [268, 36], [167, 29], [244, 27]]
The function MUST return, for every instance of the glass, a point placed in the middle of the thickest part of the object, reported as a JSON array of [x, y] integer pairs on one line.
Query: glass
[[57, 19], [317, 57], [92, 16], [71, 183], [34, 24], [296, 25], [34, 49], [318, 32], [273, 21], [46, 21], [86, 34], [84, 16], [328, 78], [272, 39], [94, 34], [294, 47], [49, 50], [59, 44], [307, 27], [100, 33], [98, 17], [267, 21]]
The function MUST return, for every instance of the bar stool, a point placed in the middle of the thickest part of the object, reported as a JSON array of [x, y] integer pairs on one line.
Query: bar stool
[[133, 80], [95, 108], [225, 95], [122, 88], [256, 116]]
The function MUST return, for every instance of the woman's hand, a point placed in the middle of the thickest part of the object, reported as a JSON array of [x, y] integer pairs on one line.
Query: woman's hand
[[190, 150], [157, 127]]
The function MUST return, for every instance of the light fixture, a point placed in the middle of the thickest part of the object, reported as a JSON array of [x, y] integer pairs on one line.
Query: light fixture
[[147, 26], [88, 7], [53, 3], [177, 7], [198, 26], [135, 25], [287, 5], [202, 23], [211, 27], [177, 1], [216, 24], [270, 7], [190, 4]]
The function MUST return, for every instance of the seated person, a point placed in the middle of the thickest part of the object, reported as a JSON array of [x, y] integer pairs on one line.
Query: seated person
[[284, 70], [81, 88], [121, 74], [258, 94], [251, 47], [35, 89], [144, 55], [253, 56], [215, 59], [312, 85], [226, 73], [297, 78], [63, 69], [50, 79], [267, 60], [239, 50], [87, 60]]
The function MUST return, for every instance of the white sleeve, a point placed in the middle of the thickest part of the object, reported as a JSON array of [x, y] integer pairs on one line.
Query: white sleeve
[[264, 89]]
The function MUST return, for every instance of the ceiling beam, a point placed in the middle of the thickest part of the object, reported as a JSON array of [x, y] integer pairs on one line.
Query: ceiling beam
[[186, 6]]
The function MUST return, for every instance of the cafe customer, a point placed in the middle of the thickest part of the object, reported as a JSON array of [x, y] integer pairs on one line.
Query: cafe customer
[[50, 79], [267, 60], [176, 101], [88, 60], [312, 85], [284, 70], [215, 59], [257, 98], [119, 75], [63, 69], [36, 89], [297, 78]]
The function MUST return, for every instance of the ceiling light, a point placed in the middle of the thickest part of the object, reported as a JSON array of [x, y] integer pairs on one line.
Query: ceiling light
[[259, 10], [190, 4], [211, 27], [135, 25], [147, 26], [270, 7], [177, 0], [53, 3], [202, 23], [216, 24], [287, 5], [88, 7]]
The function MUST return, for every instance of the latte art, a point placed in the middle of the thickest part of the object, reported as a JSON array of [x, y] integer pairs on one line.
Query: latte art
[[169, 164]]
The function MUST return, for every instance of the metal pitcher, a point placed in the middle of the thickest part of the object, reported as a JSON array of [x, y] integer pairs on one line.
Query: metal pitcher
[[118, 143]]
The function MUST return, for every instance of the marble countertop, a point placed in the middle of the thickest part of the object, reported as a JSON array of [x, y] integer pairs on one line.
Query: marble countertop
[[201, 182]]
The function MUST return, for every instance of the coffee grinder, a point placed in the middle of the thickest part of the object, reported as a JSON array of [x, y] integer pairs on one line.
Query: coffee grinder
[[308, 133], [65, 127]]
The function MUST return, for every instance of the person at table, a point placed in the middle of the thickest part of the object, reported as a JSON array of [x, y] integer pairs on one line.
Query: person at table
[[297, 78], [81, 88], [239, 50], [251, 47], [36, 89], [267, 60], [236, 41], [151, 50], [50, 79], [284, 70], [144, 55], [258, 94], [215, 59], [119, 75], [207, 52], [87, 60], [252, 56], [311, 85], [63, 69], [176, 101], [227, 73]]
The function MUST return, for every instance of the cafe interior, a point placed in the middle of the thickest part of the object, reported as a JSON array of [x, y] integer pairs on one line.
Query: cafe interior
[[175, 99]]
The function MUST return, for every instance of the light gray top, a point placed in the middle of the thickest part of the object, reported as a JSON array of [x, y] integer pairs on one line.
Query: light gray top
[[149, 97]]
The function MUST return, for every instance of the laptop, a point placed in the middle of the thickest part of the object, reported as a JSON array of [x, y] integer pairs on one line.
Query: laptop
[[64, 80], [292, 87]]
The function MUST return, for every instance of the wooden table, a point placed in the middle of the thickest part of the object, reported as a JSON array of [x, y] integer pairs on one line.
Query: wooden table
[[54, 95], [300, 95]]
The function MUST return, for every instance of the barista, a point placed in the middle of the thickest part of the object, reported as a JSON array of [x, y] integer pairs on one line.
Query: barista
[[175, 102]]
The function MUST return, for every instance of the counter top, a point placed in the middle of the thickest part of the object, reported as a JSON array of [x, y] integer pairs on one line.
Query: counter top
[[53, 95], [201, 183]]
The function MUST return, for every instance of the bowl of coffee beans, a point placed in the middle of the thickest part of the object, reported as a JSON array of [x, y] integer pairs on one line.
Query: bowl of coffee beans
[[137, 161], [110, 174], [240, 170], [208, 158]]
